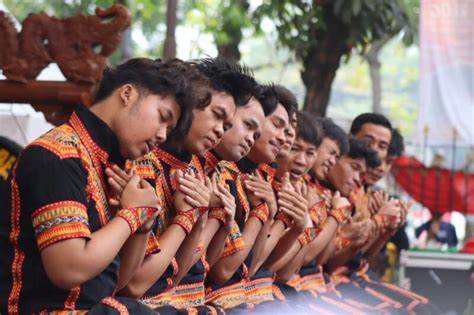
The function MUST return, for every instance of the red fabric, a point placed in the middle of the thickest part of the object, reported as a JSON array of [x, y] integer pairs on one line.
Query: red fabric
[[437, 189]]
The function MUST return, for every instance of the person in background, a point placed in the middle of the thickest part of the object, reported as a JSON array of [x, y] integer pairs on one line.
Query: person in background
[[435, 233]]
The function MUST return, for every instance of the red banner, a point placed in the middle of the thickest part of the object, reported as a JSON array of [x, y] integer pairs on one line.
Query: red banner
[[439, 190]]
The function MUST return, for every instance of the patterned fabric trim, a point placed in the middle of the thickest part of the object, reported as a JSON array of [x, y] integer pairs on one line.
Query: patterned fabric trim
[[187, 219], [59, 221], [71, 300], [259, 290], [152, 245], [260, 212], [136, 217], [110, 301], [285, 218], [229, 296], [217, 214], [234, 242]]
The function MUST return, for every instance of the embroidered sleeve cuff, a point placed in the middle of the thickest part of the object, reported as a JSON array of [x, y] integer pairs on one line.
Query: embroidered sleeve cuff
[[308, 236], [341, 215], [59, 221], [152, 245], [187, 219], [136, 217], [285, 218], [261, 212], [234, 242], [217, 214]]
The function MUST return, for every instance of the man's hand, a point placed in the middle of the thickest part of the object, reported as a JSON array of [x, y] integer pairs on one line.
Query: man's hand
[[337, 201], [196, 188], [117, 179], [294, 203], [262, 190]]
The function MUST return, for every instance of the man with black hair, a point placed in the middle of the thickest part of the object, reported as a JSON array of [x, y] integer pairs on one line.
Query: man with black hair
[[172, 166], [252, 211], [376, 129], [64, 247]]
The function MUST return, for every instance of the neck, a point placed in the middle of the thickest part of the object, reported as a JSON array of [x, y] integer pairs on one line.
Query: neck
[[105, 111]]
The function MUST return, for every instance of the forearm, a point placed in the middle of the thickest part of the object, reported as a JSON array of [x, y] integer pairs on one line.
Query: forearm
[[288, 270], [210, 229], [322, 240], [154, 265], [216, 247], [71, 262], [131, 257], [341, 256], [286, 248], [327, 252], [225, 267], [377, 245], [265, 243], [187, 252]]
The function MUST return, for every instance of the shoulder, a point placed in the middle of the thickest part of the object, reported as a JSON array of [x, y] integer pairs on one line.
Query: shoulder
[[62, 141]]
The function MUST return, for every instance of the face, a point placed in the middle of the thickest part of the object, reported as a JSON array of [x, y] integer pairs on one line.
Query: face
[[377, 136], [374, 175], [298, 161], [144, 121], [209, 124], [289, 138], [346, 174], [247, 126], [267, 147], [328, 155]]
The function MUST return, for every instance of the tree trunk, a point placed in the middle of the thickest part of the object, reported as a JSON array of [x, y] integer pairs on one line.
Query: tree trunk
[[321, 63], [169, 48], [230, 51], [372, 58]]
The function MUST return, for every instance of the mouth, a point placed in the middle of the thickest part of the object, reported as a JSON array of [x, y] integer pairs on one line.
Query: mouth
[[151, 146], [275, 148], [296, 173], [245, 149], [209, 143]]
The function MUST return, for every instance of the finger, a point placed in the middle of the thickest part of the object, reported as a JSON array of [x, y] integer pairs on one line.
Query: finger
[[114, 202], [111, 174], [134, 181], [121, 173], [115, 186], [192, 202], [145, 184]]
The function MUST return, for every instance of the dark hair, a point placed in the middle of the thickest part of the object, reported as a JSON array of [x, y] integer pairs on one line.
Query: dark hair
[[267, 97], [334, 132], [229, 77], [359, 149], [396, 145], [308, 128], [369, 118], [287, 99], [178, 78]]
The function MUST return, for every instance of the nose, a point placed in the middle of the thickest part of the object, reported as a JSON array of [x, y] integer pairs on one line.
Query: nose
[[332, 161], [161, 135], [219, 130], [301, 159], [250, 140], [281, 137]]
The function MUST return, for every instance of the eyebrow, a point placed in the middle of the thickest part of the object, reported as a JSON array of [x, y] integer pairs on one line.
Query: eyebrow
[[254, 123], [167, 115], [223, 112], [281, 121]]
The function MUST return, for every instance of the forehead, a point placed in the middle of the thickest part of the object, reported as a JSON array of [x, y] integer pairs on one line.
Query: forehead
[[167, 103], [377, 132], [303, 144], [222, 100], [330, 144], [252, 109], [280, 113]]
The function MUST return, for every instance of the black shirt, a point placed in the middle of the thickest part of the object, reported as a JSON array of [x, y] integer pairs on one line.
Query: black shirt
[[56, 191]]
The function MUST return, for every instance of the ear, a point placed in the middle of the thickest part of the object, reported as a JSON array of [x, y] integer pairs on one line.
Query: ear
[[127, 93]]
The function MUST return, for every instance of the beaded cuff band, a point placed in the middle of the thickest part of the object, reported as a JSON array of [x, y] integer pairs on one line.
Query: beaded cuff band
[[218, 214], [283, 217], [136, 217], [384, 221], [187, 219], [261, 212], [341, 215], [308, 235]]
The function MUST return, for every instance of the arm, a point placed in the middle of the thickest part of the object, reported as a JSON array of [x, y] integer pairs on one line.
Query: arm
[[322, 240], [225, 267]]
